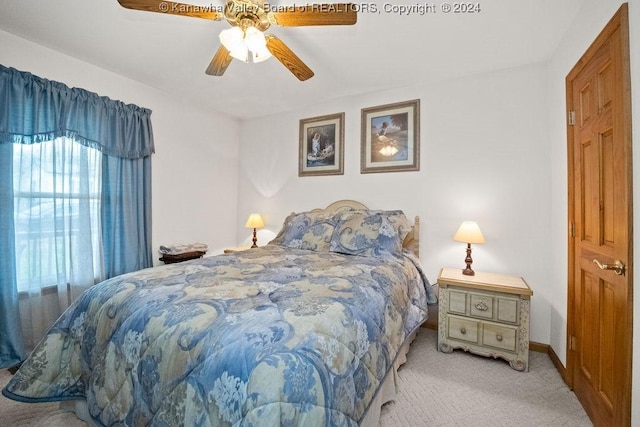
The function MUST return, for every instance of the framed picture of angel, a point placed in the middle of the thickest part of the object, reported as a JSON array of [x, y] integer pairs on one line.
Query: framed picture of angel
[[322, 145]]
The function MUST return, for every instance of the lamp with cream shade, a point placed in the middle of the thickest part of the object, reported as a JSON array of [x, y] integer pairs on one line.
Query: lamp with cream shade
[[255, 221], [469, 232]]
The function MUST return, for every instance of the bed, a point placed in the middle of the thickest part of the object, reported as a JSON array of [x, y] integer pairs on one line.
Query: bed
[[308, 330]]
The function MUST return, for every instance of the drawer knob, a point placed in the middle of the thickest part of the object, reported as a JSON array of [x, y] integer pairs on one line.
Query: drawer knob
[[463, 331], [499, 337], [482, 306]]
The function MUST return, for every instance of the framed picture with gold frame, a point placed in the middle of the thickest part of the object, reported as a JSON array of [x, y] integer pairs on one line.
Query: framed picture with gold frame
[[390, 138], [322, 145]]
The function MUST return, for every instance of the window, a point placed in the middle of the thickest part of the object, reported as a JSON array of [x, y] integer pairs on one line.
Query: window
[[56, 215]]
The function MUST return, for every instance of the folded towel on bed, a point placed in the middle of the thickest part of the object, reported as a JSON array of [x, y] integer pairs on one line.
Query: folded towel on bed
[[181, 249]]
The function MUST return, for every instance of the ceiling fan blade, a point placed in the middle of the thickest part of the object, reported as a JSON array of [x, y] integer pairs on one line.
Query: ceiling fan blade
[[315, 14], [219, 63], [173, 8], [288, 58]]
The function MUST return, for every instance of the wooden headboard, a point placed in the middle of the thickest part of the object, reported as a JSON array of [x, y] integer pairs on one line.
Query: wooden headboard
[[411, 242]]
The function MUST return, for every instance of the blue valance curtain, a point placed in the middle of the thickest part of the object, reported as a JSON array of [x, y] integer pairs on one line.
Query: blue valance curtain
[[35, 110]]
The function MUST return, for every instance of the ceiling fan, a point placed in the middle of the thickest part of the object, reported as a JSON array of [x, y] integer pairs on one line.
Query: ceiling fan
[[249, 19]]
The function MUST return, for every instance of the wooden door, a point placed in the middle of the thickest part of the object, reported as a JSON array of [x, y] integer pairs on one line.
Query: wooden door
[[600, 296]]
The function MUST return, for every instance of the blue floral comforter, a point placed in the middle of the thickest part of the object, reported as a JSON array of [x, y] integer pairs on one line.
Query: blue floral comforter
[[265, 337]]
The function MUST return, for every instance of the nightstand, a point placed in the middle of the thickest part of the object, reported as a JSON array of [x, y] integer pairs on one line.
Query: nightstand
[[485, 314], [237, 249], [185, 256]]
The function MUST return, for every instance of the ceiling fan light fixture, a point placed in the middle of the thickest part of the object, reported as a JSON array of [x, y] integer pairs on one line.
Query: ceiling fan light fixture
[[254, 39], [261, 54], [241, 53], [232, 38], [239, 42]]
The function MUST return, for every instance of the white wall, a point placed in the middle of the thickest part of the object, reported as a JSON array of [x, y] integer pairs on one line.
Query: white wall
[[195, 167], [484, 157], [592, 18]]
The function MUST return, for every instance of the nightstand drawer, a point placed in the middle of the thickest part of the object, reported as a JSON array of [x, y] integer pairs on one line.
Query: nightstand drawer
[[481, 306], [463, 329], [457, 302], [508, 309], [500, 336]]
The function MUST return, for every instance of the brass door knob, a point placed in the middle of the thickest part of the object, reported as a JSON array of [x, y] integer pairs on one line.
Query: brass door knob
[[617, 266]]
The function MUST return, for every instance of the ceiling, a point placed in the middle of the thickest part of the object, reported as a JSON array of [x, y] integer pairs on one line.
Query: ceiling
[[383, 50]]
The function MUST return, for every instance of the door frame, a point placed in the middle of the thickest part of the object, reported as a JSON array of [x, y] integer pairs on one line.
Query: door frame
[[619, 20]]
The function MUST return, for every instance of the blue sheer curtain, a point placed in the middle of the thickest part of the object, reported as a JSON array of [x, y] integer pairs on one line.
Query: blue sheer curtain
[[34, 110], [57, 189]]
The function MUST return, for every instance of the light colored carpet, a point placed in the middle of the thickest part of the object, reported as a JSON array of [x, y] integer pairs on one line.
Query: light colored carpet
[[435, 389], [461, 389], [33, 414]]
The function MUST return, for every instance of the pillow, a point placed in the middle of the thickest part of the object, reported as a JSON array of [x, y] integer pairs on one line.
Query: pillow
[[370, 233], [280, 236], [307, 230]]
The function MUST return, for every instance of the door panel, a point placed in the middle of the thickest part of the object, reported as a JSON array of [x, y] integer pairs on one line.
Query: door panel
[[608, 186], [607, 357], [590, 197], [588, 331], [600, 301]]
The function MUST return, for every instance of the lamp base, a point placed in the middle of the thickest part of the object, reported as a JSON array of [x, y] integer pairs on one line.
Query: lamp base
[[468, 271], [255, 239]]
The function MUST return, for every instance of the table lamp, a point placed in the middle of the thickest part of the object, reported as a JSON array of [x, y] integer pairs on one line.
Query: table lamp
[[254, 221], [468, 233]]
